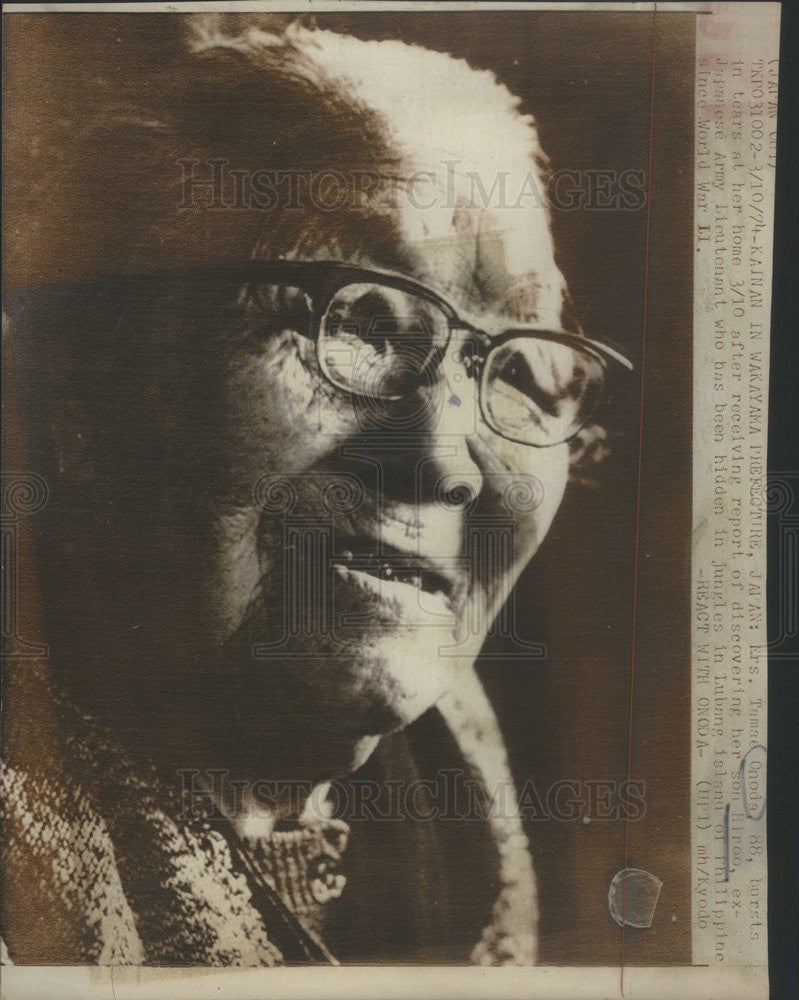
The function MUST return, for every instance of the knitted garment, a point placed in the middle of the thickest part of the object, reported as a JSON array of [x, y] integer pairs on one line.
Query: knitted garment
[[103, 864]]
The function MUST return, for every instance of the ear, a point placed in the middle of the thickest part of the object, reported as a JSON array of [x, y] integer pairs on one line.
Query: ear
[[587, 449]]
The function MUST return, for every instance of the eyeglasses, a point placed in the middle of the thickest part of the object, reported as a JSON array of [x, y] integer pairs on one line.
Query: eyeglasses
[[381, 336]]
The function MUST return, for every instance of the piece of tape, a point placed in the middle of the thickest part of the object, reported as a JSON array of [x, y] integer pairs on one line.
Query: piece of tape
[[633, 896]]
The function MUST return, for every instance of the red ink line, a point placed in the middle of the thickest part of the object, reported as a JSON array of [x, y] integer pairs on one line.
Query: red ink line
[[638, 504]]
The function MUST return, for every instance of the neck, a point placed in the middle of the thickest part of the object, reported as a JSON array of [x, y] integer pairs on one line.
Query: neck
[[284, 777], [267, 768]]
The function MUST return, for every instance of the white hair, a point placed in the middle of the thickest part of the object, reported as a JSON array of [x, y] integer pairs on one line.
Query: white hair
[[435, 108]]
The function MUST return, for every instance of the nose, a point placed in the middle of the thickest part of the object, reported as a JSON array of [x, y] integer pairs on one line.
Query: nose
[[428, 447], [449, 470]]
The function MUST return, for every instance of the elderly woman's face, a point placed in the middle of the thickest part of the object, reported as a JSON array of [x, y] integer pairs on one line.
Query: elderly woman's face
[[321, 569]]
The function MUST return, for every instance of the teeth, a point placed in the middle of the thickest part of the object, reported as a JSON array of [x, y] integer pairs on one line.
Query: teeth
[[400, 574], [410, 575]]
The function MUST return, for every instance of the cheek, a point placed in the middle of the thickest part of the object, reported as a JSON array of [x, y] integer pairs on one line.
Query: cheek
[[535, 495], [278, 415], [267, 438], [232, 572], [552, 469]]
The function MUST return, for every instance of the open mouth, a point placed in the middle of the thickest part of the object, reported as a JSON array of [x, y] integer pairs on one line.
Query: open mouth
[[391, 566]]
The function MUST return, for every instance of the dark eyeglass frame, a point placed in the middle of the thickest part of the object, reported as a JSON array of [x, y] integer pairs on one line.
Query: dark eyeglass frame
[[321, 280]]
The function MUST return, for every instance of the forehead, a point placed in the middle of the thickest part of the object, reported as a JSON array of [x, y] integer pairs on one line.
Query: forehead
[[493, 261]]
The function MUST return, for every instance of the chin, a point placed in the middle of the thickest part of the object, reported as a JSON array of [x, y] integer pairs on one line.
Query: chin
[[318, 700], [382, 684], [316, 717], [403, 675]]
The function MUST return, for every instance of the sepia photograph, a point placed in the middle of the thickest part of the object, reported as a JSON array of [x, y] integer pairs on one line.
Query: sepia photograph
[[355, 490]]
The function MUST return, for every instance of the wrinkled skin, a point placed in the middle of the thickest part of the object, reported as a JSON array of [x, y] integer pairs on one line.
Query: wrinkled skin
[[220, 414]]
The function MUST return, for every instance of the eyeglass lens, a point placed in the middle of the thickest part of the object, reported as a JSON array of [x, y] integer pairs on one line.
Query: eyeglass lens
[[538, 391], [376, 341]]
